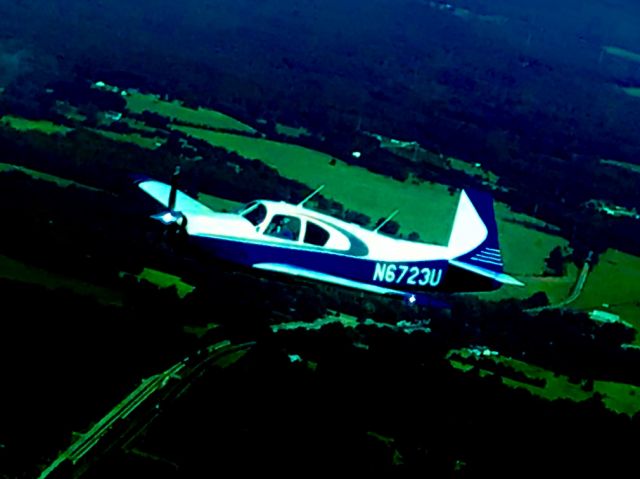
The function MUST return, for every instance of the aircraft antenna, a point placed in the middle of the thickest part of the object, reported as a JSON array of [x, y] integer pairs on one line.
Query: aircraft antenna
[[315, 192], [389, 218]]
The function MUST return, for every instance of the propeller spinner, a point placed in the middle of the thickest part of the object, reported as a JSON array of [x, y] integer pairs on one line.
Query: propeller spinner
[[175, 220]]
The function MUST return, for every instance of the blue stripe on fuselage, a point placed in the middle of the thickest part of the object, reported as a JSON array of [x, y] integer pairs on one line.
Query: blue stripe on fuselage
[[402, 276]]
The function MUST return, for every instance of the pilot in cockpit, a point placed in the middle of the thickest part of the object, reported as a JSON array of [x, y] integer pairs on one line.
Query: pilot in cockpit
[[285, 229], [281, 227]]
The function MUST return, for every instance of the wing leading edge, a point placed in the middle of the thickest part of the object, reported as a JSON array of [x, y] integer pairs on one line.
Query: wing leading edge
[[185, 204]]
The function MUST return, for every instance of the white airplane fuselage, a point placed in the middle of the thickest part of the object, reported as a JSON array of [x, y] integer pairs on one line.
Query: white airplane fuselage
[[291, 239]]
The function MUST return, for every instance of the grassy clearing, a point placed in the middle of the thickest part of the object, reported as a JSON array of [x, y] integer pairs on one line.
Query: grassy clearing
[[356, 188], [632, 91], [621, 398], [524, 249], [19, 271], [139, 102], [615, 281], [617, 397], [134, 138], [556, 289], [217, 203], [464, 367], [39, 175], [557, 388], [557, 385], [138, 125], [622, 53], [344, 319], [70, 111], [425, 208], [291, 131], [166, 280], [416, 153], [24, 124], [472, 170], [621, 164]]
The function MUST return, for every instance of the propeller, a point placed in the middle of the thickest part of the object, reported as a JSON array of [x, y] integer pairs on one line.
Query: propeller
[[174, 188], [175, 221]]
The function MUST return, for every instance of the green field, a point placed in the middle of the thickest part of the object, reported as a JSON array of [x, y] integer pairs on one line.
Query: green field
[[19, 271], [621, 164], [621, 398], [617, 397], [425, 208], [632, 91], [39, 175], [139, 102], [346, 320], [291, 131], [166, 280], [138, 125], [614, 282], [471, 169], [134, 138], [556, 289], [218, 204], [622, 53], [24, 124]]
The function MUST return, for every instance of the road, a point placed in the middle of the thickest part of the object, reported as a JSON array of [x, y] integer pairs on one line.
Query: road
[[170, 380], [575, 292]]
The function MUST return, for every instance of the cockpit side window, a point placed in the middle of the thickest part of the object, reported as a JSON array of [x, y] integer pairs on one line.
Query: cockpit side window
[[255, 212], [315, 235], [285, 227]]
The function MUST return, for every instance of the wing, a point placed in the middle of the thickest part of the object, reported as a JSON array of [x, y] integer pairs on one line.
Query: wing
[[327, 278], [411, 298], [184, 203]]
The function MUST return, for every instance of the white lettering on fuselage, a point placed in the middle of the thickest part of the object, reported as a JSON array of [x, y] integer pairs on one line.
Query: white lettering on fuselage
[[409, 275]]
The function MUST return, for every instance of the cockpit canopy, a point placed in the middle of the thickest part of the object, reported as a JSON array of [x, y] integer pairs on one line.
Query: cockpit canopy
[[287, 225]]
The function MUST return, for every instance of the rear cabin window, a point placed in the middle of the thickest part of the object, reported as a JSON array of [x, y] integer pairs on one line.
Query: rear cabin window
[[315, 235], [285, 227]]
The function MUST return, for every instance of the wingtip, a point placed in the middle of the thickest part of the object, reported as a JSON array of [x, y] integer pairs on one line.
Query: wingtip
[[513, 281], [137, 178]]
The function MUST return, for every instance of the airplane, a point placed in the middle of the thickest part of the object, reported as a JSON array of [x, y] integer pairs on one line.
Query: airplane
[[293, 240]]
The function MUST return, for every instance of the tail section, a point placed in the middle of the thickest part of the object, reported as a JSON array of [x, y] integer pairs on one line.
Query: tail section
[[473, 243]]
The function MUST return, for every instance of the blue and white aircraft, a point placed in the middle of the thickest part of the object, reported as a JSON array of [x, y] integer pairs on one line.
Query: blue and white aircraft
[[293, 240]]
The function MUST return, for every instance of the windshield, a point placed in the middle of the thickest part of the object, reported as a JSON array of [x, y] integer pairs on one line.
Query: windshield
[[255, 212]]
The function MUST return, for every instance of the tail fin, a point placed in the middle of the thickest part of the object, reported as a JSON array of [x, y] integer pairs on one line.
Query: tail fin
[[473, 243]]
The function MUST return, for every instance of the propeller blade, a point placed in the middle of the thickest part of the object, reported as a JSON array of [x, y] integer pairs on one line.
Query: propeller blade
[[174, 189]]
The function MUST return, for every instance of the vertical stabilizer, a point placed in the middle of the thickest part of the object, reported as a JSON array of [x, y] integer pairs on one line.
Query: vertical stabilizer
[[474, 236], [473, 244]]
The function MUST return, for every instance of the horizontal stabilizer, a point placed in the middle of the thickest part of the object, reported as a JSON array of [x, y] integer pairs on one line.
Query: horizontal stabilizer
[[498, 276]]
